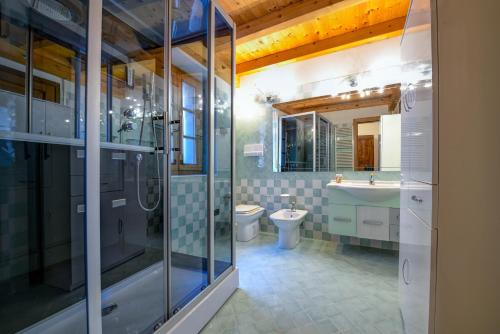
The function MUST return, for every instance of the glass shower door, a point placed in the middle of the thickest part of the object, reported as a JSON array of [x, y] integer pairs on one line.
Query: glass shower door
[[189, 145], [43, 47], [131, 159]]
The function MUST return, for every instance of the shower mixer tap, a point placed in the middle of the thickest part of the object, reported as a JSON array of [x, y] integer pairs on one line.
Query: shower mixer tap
[[129, 113], [128, 126]]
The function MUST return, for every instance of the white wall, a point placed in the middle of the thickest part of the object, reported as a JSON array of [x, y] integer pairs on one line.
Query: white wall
[[345, 117], [355, 60], [390, 142]]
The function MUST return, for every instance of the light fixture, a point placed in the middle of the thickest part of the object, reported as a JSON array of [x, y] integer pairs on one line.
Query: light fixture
[[381, 90], [362, 93], [428, 85], [368, 92]]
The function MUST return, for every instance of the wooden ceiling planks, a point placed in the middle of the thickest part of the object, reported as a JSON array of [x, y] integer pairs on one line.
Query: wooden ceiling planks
[[270, 30]]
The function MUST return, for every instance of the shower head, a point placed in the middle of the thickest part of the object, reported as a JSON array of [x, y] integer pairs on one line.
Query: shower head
[[52, 9]]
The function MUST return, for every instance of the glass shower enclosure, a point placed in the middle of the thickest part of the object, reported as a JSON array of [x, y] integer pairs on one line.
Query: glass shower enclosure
[[116, 162]]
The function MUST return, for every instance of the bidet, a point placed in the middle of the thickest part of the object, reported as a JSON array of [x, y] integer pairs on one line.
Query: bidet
[[288, 222]]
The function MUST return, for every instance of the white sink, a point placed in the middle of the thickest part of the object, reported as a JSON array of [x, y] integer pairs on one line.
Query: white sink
[[363, 190]]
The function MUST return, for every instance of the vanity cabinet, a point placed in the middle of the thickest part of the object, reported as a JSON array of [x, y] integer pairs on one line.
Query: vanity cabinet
[[362, 221]]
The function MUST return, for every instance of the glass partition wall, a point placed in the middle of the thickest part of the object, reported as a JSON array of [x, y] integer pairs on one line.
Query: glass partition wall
[[133, 197]]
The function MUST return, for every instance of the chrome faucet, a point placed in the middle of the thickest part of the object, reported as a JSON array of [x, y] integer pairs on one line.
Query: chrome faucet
[[291, 200], [372, 179]]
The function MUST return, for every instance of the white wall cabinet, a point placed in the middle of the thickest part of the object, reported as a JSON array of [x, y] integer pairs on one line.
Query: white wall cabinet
[[367, 222], [416, 266], [418, 228]]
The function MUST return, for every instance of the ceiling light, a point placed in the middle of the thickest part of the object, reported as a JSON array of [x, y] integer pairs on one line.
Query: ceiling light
[[381, 90], [362, 94]]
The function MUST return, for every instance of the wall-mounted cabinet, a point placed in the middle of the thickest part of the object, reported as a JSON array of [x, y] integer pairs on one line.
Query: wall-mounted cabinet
[[349, 216]]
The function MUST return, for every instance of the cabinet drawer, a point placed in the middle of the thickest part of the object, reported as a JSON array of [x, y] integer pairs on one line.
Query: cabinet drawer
[[420, 200], [415, 268], [373, 223], [342, 219]]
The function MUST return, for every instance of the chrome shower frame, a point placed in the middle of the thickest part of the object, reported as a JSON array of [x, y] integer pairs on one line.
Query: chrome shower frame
[[92, 181]]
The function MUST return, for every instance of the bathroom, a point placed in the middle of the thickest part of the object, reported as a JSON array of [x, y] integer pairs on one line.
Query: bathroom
[[217, 166]]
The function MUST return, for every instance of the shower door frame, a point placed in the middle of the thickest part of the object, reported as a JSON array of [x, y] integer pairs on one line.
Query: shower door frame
[[173, 319], [92, 168]]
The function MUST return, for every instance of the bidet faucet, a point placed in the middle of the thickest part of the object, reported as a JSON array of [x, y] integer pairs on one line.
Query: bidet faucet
[[372, 179]]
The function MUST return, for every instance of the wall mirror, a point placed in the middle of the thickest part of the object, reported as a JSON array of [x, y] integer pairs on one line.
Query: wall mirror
[[358, 130]]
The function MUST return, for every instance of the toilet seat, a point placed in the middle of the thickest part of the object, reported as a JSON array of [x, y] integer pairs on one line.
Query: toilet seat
[[247, 221], [244, 209]]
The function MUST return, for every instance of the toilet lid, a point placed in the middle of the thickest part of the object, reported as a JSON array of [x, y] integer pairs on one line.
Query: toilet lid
[[244, 208]]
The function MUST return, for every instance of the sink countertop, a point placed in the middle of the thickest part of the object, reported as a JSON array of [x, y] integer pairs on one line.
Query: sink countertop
[[362, 190], [365, 184]]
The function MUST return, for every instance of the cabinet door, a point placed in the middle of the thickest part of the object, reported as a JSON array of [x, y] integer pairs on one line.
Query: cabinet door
[[373, 223], [415, 268], [112, 226], [342, 219], [417, 95], [420, 196]]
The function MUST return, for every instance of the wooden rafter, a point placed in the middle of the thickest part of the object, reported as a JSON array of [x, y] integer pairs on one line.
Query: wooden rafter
[[375, 32], [329, 103], [287, 16]]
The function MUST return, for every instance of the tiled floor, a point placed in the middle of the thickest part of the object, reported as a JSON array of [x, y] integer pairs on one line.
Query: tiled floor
[[318, 287]]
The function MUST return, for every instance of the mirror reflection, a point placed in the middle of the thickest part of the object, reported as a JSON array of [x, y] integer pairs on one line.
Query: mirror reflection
[[353, 131]]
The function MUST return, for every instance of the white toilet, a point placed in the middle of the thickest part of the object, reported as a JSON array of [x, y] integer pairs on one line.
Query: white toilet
[[288, 222], [247, 221]]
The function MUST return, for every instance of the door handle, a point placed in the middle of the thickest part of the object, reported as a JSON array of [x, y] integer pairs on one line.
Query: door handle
[[342, 219], [417, 199], [406, 271], [373, 222]]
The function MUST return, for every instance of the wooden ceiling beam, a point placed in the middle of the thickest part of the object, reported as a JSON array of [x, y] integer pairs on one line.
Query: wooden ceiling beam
[[378, 31], [329, 103], [287, 17]]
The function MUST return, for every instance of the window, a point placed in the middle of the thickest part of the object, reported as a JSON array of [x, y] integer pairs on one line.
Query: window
[[188, 124]]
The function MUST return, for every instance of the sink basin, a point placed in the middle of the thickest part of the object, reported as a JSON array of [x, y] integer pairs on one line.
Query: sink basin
[[363, 190]]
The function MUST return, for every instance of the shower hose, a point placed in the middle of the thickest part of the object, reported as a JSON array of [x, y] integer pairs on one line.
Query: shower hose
[[139, 158]]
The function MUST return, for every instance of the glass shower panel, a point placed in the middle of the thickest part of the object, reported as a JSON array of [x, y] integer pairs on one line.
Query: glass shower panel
[[223, 144], [42, 206], [132, 109], [189, 119]]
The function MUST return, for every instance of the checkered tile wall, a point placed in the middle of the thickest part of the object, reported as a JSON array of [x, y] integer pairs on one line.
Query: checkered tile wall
[[311, 195], [189, 215]]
